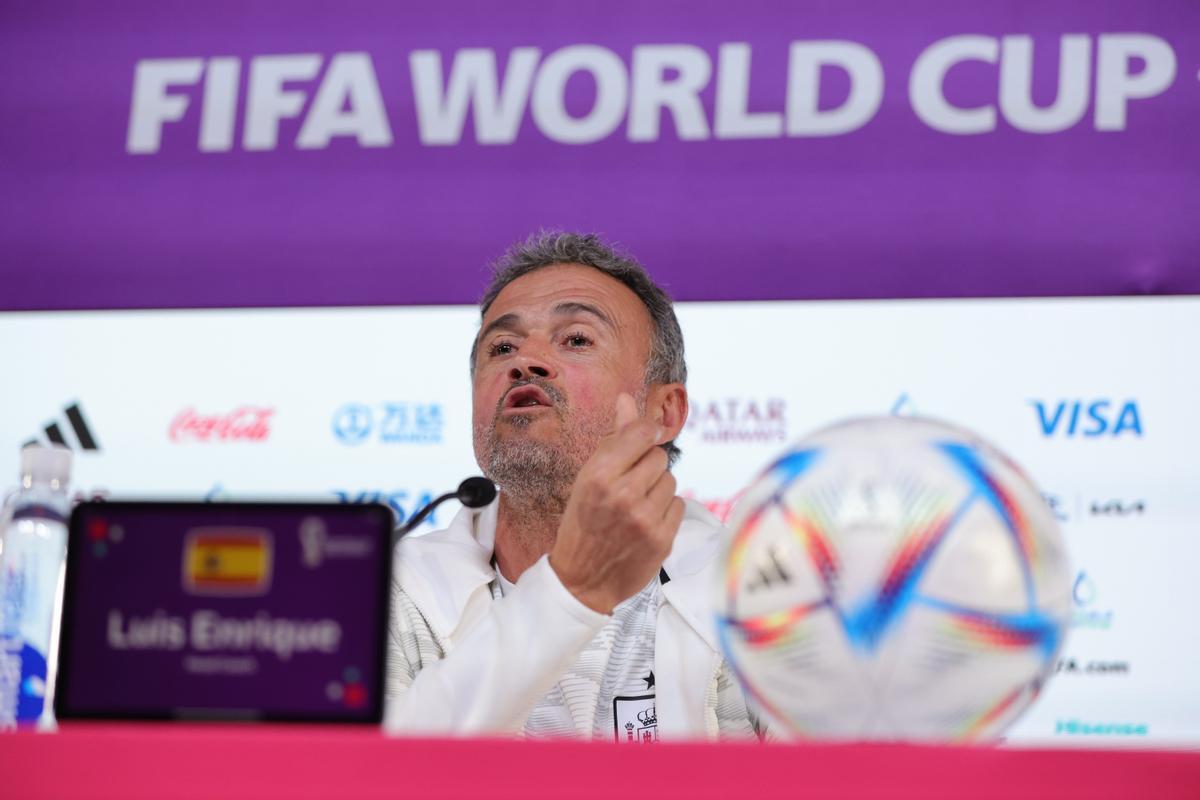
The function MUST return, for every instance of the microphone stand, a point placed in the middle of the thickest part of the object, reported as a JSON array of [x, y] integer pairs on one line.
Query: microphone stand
[[474, 492]]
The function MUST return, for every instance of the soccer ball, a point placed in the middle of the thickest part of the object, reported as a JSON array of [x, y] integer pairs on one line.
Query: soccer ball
[[892, 578]]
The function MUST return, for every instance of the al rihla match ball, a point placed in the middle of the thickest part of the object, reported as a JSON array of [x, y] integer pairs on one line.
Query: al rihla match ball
[[892, 578]]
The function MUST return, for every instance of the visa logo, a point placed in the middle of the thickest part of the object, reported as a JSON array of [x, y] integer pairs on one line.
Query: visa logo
[[398, 501], [1088, 418]]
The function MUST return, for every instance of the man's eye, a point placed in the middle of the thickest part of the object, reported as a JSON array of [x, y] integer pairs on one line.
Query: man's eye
[[577, 340], [501, 349]]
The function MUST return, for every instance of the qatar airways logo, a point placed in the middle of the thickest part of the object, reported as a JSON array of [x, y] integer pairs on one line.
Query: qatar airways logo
[[341, 96], [242, 424], [738, 420]]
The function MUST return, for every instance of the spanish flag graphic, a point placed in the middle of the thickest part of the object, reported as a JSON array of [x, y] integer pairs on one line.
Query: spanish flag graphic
[[229, 562]]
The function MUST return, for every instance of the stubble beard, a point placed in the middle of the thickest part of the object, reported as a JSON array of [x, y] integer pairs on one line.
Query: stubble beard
[[536, 474]]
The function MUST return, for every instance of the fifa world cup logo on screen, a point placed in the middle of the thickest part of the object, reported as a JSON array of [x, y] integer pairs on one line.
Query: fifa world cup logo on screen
[[312, 541]]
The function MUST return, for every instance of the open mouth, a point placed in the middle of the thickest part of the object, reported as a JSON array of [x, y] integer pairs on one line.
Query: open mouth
[[526, 397]]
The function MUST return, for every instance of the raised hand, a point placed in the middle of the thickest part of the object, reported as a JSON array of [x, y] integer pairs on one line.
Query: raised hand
[[621, 518]]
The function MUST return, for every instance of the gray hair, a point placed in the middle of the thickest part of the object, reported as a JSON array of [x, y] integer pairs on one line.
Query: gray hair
[[548, 248]]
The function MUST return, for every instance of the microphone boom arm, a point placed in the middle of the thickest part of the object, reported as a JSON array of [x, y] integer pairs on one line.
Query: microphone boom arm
[[473, 493]]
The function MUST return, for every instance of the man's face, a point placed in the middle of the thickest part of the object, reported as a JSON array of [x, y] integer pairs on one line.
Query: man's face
[[555, 349]]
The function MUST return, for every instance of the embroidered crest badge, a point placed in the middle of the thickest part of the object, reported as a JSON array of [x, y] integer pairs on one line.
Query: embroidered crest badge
[[635, 720]]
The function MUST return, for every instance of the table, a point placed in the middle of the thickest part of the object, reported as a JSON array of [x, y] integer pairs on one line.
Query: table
[[221, 760]]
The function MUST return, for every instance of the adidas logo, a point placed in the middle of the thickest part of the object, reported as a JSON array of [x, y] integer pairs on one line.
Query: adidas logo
[[77, 425]]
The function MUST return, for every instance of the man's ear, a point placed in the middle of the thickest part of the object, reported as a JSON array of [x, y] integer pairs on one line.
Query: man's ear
[[668, 406]]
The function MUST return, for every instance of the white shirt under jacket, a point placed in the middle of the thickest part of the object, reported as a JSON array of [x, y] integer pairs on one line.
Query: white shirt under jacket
[[464, 659]]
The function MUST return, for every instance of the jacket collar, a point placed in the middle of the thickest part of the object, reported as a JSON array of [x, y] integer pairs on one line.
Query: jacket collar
[[693, 567], [440, 571]]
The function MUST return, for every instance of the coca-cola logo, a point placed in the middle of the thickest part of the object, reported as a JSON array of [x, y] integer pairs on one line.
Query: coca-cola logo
[[243, 424]]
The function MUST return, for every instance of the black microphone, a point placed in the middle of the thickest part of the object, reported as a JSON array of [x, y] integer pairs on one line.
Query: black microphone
[[474, 492]]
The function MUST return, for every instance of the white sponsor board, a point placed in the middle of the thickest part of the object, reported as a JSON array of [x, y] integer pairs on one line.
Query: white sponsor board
[[1095, 397]]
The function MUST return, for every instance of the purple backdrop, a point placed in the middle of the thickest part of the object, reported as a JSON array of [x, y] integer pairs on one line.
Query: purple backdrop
[[892, 208], [139, 578]]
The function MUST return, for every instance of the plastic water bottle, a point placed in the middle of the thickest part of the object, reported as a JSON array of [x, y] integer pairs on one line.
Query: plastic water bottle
[[31, 573]]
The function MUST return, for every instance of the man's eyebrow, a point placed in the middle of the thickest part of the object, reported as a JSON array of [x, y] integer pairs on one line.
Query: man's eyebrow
[[576, 307], [509, 320], [512, 320]]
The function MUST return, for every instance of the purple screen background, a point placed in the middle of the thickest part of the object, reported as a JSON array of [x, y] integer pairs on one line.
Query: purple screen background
[[143, 572]]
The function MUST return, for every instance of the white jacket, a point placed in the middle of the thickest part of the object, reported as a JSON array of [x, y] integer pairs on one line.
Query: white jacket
[[461, 662]]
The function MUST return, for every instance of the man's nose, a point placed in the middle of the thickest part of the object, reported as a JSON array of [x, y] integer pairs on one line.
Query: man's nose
[[530, 363]]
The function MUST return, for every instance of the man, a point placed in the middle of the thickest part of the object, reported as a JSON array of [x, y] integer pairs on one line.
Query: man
[[577, 603]]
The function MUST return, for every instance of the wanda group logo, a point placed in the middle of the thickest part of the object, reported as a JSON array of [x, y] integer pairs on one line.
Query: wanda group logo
[[242, 424]]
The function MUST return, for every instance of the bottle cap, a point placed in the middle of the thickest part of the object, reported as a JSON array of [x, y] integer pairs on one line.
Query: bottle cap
[[42, 464]]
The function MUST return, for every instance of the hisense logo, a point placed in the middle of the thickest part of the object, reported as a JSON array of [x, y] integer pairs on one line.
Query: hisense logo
[[72, 422], [1075, 727]]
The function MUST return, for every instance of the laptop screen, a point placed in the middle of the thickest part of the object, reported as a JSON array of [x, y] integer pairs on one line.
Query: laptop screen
[[264, 611]]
